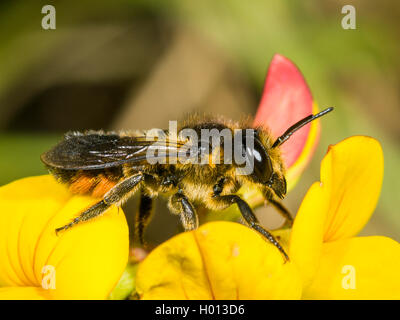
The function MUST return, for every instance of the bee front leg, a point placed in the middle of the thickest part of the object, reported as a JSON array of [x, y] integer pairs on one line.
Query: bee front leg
[[113, 196], [283, 212], [179, 204], [280, 208], [252, 220]]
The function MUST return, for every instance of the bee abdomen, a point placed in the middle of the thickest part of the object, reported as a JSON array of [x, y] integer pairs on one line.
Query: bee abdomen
[[96, 186], [88, 182]]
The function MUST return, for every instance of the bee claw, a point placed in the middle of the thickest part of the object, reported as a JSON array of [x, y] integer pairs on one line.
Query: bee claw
[[286, 258], [58, 230]]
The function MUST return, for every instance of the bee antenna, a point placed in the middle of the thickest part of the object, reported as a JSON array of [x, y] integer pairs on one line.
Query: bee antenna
[[299, 125]]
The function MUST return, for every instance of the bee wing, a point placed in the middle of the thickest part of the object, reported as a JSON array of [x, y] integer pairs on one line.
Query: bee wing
[[99, 150]]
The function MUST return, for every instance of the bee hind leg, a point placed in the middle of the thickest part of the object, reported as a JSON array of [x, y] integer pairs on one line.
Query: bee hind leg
[[180, 204], [94, 211], [113, 196], [252, 221]]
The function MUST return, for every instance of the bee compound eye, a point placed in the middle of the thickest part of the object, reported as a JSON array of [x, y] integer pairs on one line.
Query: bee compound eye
[[262, 162], [256, 156]]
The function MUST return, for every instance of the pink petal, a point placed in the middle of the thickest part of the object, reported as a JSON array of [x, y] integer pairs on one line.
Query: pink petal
[[286, 99]]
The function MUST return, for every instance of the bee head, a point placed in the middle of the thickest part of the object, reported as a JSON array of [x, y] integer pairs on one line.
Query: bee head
[[264, 167], [267, 167]]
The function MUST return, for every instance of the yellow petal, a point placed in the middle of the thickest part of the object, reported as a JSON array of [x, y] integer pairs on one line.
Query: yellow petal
[[353, 170], [220, 260], [308, 231], [335, 208], [358, 268], [87, 260], [24, 293]]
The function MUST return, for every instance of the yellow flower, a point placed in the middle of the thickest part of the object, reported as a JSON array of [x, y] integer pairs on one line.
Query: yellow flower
[[84, 263], [223, 260], [220, 260], [333, 262]]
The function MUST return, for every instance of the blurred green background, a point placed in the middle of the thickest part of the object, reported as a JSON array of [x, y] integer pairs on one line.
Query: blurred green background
[[127, 64]]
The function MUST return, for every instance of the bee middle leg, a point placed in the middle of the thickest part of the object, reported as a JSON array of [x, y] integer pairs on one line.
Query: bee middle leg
[[179, 204], [252, 220], [143, 216], [113, 196]]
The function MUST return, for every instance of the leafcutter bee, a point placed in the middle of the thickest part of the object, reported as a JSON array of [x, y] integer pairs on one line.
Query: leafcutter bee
[[196, 169]]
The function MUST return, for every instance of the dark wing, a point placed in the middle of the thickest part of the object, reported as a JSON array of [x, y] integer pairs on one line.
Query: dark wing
[[100, 150]]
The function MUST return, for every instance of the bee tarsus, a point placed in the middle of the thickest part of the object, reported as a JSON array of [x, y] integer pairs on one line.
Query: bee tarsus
[[252, 220]]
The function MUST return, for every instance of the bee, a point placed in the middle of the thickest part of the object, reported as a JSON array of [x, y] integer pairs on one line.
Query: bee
[[114, 166]]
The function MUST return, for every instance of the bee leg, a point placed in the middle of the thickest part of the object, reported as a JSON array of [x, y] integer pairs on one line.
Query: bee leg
[[95, 210], [178, 203], [283, 212], [252, 220], [280, 208], [143, 216], [113, 196]]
